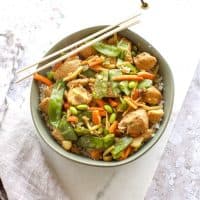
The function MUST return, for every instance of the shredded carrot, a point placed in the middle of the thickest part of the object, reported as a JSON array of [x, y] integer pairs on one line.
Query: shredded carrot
[[72, 119], [96, 108], [113, 127], [96, 118], [95, 154], [127, 78], [100, 102], [56, 66], [102, 113], [146, 75], [126, 153], [113, 103], [42, 79], [96, 60], [97, 68], [135, 94], [66, 105]]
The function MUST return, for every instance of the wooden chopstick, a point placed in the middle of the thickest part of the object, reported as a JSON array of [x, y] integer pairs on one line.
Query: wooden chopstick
[[125, 25], [77, 43]]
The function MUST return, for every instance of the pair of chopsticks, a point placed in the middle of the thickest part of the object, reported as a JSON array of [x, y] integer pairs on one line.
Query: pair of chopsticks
[[75, 47]]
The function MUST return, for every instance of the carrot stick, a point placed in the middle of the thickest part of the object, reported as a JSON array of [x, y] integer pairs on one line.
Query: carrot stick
[[96, 118], [102, 113], [146, 75], [97, 68], [126, 153], [113, 127], [135, 94], [42, 79], [96, 108], [127, 78], [113, 103], [72, 119], [95, 61], [100, 103]]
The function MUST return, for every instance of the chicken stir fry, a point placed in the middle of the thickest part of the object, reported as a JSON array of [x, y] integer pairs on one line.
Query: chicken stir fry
[[104, 103]]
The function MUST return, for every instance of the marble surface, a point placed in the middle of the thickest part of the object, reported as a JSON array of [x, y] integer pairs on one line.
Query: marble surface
[[29, 28], [178, 173]]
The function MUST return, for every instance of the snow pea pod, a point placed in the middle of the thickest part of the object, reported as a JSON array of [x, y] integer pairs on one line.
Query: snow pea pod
[[94, 142], [66, 129], [56, 103], [120, 145], [107, 50]]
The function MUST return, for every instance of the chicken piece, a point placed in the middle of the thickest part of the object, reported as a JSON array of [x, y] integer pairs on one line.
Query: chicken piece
[[66, 68], [155, 115], [147, 135], [57, 135], [152, 96], [135, 123], [47, 91], [145, 61], [89, 51], [78, 95], [44, 105]]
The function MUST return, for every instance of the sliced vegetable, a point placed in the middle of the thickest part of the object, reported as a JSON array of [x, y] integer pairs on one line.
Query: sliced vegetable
[[120, 145], [126, 153], [146, 83], [66, 129], [132, 84], [124, 87], [56, 103], [73, 119], [94, 142], [80, 130], [42, 79], [96, 117], [113, 127], [100, 86], [107, 50], [100, 102], [89, 73], [113, 103], [122, 106], [146, 75], [127, 78]]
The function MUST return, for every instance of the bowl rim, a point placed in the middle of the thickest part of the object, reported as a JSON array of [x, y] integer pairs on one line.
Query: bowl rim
[[91, 162]]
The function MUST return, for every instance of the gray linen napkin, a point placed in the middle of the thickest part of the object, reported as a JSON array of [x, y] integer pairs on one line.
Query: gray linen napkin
[[23, 170]]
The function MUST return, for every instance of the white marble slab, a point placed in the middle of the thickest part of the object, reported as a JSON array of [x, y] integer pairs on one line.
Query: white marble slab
[[171, 26]]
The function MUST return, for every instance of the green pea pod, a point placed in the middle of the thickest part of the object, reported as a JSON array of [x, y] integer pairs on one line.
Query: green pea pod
[[82, 130], [56, 103], [94, 142], [124, 87], [108, 140], [146, 83], [67, 130], [100, 85], [107, 50], [122, 106], [120, 145]]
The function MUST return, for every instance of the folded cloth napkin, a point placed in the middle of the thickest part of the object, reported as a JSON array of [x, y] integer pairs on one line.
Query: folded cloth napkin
[[23, 169]]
